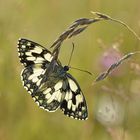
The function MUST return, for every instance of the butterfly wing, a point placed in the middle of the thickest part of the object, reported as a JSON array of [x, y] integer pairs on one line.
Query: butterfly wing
[[64, 93], [73, 104], [36, 60], [47, 93], [31, 53], [31, 77]]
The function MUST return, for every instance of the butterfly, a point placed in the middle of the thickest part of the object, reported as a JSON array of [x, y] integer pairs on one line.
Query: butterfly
[[48, 82]]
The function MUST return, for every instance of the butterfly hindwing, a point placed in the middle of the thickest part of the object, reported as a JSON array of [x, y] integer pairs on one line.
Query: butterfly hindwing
[[32, 76], [73, 104], [51, 97], [65, 94], [48, 98], [32, 53]]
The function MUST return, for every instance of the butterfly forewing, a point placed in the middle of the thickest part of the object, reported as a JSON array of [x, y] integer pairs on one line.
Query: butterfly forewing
[[32, 53]]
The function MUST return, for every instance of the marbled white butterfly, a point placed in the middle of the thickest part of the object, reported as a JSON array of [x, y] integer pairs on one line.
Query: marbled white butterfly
[[48, 82]]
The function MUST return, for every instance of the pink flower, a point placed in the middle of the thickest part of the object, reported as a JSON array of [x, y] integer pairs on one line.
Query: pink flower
[[109, 57]]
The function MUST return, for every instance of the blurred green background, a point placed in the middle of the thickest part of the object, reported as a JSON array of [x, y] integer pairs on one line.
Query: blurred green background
[[113, 104]]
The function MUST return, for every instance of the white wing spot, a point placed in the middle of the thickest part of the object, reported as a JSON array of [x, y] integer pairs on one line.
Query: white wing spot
[[73, 107], [34, 98], [28, 53], [47, 110], [29, 44], [39, 59], [80, 113], [42, 107], [31, 58], [70, 95], [48, 57], [35, 74], [58, 96], [67, 96], [28, 85], [37, 70], [69, 104], [58, 85], [47, 90], [26, 88], [23, 46], [31, 90], [21, 54], [73, 85], [83, 108], [51, 98], [37, 103], [35, 79], [79, 99], [48, 96], [37, 50], [38, 82], [71, 116]]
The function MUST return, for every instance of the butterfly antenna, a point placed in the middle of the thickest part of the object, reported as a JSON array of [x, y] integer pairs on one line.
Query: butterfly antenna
[[71, 54], [74, 67], [81, 70]]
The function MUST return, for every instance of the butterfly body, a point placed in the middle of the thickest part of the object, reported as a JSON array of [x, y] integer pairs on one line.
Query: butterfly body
[[48, 82]]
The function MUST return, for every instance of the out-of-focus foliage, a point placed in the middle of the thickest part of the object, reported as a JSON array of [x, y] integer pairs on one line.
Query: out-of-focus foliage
[[42, 21]]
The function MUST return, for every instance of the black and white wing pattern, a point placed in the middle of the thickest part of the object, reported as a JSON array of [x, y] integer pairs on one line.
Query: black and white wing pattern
[[35, 59], [55, 91], [32, 53], [73, 104]]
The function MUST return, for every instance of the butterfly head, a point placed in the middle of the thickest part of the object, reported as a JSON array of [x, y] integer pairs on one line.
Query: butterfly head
[[66, 68]]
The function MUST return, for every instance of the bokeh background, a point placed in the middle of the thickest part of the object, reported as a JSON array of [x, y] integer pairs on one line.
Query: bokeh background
[[113, 104]]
